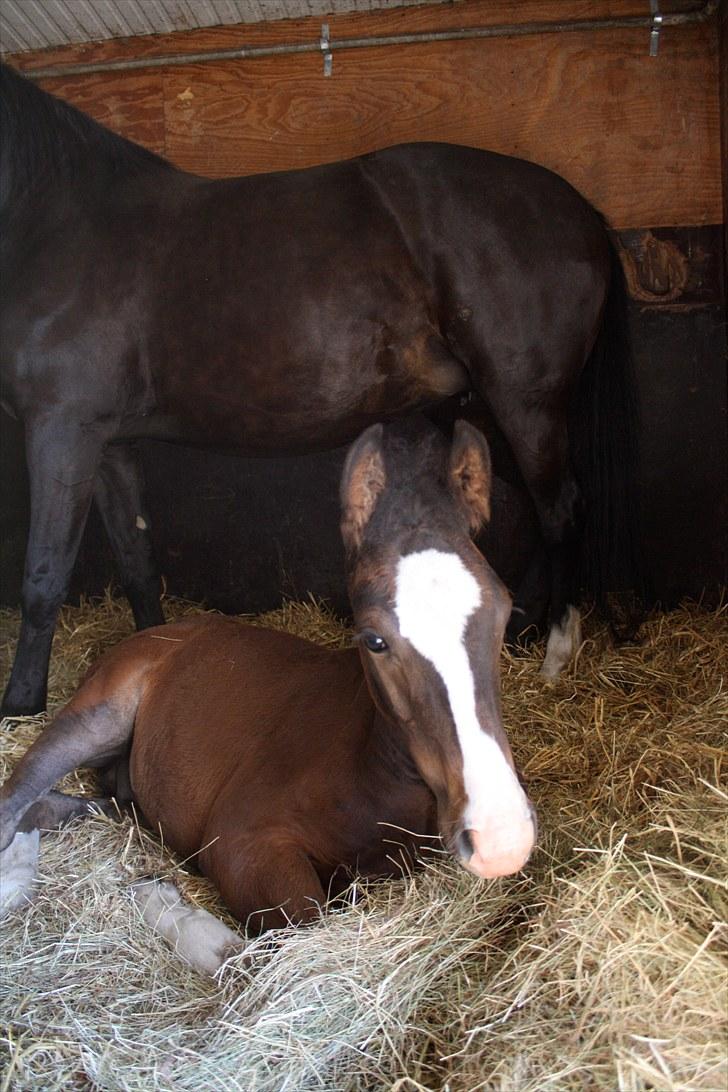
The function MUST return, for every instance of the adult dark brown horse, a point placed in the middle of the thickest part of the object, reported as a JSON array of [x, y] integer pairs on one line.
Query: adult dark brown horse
[[282, 766], [279, 314]]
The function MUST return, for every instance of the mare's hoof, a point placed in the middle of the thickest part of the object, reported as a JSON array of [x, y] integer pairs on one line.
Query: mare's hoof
[[563, 644], [18, 709], [523, 630]]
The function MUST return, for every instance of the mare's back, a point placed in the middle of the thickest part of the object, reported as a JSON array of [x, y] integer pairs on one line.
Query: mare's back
[[239, 703]]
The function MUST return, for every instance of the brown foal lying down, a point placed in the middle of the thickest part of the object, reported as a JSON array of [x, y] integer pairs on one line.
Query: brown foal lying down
[[283, 766]]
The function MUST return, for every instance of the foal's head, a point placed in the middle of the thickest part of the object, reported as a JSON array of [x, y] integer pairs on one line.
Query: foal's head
[[430, 615]]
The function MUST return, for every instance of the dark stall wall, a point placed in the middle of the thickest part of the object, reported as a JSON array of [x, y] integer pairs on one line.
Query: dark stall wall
[[638, 135], [723, 62]]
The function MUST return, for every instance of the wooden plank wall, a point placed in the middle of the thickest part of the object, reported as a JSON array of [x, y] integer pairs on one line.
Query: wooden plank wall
[[639, 136]]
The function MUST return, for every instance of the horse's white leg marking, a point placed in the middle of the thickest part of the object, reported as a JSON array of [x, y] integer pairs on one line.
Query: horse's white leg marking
[[436, 595], [563, 644], [198, 937], [18, 866]]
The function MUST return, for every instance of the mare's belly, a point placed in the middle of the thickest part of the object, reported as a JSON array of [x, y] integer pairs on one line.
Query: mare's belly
[[298, 414]]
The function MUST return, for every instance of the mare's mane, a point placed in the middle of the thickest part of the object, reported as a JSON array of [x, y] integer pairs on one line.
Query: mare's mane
[[44, 138]]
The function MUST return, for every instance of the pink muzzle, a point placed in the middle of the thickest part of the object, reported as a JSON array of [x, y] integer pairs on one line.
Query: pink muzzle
[[499, 850]]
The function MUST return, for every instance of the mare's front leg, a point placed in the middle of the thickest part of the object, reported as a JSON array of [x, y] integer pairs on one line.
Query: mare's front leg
[[63, 456], [118, 497]]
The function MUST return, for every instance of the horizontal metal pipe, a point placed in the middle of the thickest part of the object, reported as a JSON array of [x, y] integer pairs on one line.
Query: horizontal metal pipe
[[245, 53]]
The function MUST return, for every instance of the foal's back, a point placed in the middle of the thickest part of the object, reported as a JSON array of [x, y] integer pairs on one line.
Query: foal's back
[[240, 714], [246, 740]]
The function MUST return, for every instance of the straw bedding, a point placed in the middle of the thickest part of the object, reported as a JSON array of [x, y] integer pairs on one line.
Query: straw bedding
[[602, 967]]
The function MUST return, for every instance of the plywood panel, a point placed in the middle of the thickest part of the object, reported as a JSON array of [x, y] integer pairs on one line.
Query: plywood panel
[[130, 103], [638, 135]]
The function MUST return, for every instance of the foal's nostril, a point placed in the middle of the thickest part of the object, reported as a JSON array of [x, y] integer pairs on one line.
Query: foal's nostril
[[465, 847]]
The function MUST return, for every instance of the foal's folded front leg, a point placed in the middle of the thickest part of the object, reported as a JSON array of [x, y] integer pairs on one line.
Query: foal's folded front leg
[[266, 884], [197, 936], [265, 888]]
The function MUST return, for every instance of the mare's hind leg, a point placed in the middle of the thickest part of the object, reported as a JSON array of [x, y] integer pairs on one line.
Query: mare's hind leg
[[118, 497], [62, 460], [536, 427], [531, 601]]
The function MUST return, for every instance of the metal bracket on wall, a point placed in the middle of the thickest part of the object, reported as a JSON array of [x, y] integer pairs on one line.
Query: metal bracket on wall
[[654, 22], [325, 44], [656, 27]]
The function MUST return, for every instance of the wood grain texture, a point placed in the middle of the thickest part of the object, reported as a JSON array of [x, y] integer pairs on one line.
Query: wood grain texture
[[130, 103], [639, 136]]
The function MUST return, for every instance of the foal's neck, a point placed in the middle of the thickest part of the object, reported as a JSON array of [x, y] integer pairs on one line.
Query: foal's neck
[[393, 785], [378, 738], [388, 749]]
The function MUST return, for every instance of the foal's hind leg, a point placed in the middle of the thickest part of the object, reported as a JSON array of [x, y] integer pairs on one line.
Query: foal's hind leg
[[62, 460], [19, 861], [92, 730], [118, 497], [55, 809], [81, 735]]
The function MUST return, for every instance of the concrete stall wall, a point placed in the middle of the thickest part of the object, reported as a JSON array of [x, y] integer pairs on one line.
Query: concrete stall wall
[[638, 135]]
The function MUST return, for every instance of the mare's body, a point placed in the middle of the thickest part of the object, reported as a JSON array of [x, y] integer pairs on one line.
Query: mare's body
[[277, 314]]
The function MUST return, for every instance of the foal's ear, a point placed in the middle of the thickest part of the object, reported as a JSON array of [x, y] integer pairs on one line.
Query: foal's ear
[[362, 481], [470, 474]]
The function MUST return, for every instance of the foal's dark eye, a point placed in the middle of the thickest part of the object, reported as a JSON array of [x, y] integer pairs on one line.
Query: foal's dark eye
[[373, 642]]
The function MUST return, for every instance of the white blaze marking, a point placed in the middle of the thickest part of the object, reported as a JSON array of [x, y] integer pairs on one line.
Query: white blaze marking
[[141, 523], [435, 596]]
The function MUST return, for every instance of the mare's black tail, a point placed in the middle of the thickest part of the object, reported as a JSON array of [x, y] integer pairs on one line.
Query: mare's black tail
[[605, 445]]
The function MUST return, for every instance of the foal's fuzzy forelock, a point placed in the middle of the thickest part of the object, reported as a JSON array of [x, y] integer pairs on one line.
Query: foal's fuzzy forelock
[[436, 595]]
